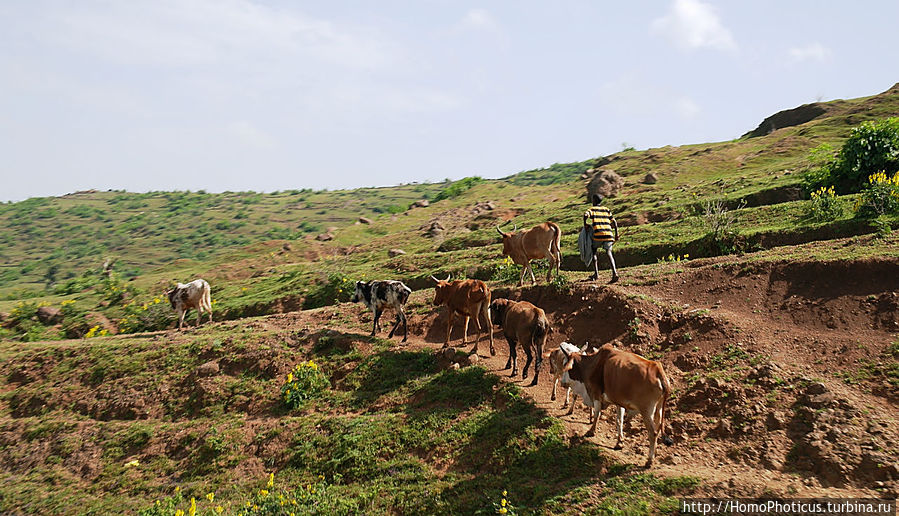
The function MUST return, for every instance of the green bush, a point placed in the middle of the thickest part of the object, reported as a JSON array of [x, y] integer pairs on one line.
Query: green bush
[[457, 188], [337, 288], [872, 147], [880, 196], [303, 383], [824, 205]]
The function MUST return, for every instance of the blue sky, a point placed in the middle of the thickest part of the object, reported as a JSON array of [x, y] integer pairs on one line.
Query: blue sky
[[271, 95]]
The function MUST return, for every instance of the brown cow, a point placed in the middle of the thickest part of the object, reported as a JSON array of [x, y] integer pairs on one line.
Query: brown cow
[[625, 379], [522, 322], [541, 241], [468, 298]]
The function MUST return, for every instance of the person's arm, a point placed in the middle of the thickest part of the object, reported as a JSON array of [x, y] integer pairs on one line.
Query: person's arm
[[615, 227], [586, 225]]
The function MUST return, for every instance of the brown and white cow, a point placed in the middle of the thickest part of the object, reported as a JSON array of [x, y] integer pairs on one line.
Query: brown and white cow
[[524, 323], [625, 379], [185, 296], [541, 241], [557, 360], [468, 298]]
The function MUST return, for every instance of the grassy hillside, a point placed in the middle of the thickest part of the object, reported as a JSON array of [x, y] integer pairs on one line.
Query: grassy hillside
[[729, 279]]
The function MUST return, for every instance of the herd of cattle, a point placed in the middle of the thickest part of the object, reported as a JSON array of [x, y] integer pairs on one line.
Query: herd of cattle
[[601, 377]]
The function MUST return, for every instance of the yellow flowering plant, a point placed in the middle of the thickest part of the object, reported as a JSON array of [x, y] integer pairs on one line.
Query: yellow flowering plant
[[302, 383], [880, 196], [503, 506], [824, 205]]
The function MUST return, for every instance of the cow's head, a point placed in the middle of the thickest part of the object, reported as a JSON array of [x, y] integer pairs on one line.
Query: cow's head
[[170, 293], [507, 239], [498, 309], [441, 290], [359, 294]]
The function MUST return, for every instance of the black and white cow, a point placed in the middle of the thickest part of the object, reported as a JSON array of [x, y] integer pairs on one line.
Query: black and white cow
[[378, 294], [195, 294]]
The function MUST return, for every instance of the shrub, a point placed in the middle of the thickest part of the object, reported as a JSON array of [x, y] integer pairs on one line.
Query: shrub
[[824, 205], [303, 383], [817, 174], [336, 288], [880, 196], [456, 188], [505, 271], [871, 147], [152, 315]]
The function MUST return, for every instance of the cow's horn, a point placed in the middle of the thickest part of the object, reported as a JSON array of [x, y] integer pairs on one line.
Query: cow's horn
[[435, 279], [448, 276], [514, 227], [498, 230], [564, 352]]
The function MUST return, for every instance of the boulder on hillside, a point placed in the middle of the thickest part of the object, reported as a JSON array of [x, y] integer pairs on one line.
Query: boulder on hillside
[[605, 183], [421, 203], [393, 253], [364, 220], [49, 315], [651, 178], [325, 237]]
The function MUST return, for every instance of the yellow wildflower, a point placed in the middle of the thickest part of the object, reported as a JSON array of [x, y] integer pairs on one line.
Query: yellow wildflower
[[263, 492], [210, 497], [219, 509], [179, 512], [503, 502], [502, 510], [271, 480], [192, 511], [131, 464], [505, 493], [289, 377], [177, 489]]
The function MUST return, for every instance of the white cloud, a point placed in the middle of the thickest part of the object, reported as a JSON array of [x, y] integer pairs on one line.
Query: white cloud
[[810, 52], [478, 19], [630, 95], [250, 135], [208, 32], [691, 24]]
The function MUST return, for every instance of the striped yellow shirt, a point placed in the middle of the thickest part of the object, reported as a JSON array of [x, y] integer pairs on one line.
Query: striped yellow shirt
[[600, 218]]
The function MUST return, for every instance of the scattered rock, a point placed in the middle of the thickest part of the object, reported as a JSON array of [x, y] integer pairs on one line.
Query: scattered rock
[[49, 315], [208, 369], [393, 253], [325, 237], [775, 421], [724, 428], [474, 358], [364, 220], [421, 203], [455, 366], [651, 178], [605, 183], [286, 246], [434, 229], [816, 388]]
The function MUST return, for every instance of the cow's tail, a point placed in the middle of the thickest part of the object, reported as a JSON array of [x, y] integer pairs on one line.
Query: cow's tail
[[666, 393], [404, 294], [207, 297], [538, 337], [555, 246]]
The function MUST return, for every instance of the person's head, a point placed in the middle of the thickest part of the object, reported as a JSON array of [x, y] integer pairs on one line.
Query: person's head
[[597, 199]]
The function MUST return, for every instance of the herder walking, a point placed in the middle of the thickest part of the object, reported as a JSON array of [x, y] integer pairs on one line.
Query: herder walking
[[601, 226]]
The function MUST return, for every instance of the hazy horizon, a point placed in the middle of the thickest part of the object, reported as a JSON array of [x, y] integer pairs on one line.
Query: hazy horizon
[[238, 95]]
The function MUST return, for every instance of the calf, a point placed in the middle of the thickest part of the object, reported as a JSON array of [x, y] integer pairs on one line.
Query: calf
[[557, 360], [379, 294], [541, 241], [195, 294], [522, 322], [468, 298], [625, 379]]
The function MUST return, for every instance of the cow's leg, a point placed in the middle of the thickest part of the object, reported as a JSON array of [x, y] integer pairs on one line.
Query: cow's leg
[[477, 322], [592, 431], [396, 323], [620, 428], [181, 315], [533, 279], [513, 356], [529, 357], [567, 396], [524, 271], [485, 309], [405, 327], [199, 316], [465, 329], [552, 397], [648, 413], [449, 326], [375, 326], [573, 403], [537, 362]]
